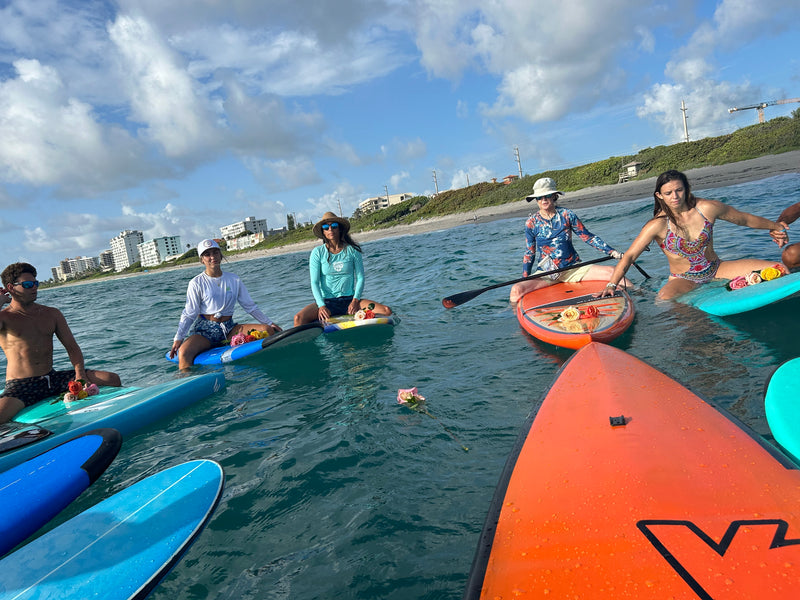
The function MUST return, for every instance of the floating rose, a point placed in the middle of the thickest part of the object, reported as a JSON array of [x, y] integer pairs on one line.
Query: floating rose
[[411, 398], [571, 313]]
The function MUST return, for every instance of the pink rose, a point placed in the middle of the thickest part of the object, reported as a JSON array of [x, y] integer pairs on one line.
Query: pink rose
[[238, 339], [753, 278], [737, 283], [409, 396], [92, 389]]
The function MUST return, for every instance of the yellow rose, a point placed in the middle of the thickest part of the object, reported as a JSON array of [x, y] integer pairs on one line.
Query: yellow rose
[[571, 313], [770, 273]]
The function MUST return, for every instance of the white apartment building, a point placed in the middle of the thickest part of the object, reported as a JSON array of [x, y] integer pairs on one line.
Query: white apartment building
[[158, 250], [106, 260], [250, 224], [378, 202], [71, 267], [125, 248]]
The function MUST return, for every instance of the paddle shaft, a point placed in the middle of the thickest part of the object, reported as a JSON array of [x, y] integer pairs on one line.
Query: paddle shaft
[[462, 297]]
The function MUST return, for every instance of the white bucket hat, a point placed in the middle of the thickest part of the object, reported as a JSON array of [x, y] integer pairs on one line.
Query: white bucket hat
[[543, 187]]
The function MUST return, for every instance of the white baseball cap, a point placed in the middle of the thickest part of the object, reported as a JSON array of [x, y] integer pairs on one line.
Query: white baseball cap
[[207, 245]]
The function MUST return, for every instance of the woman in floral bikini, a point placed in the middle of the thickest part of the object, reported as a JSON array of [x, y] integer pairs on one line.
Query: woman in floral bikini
[[683, 225]]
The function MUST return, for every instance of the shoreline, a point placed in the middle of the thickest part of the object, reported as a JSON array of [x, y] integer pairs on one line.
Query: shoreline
[[700, 179]]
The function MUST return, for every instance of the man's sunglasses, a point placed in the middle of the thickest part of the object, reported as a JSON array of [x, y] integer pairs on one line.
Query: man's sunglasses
[[27, 284], [327, 226]]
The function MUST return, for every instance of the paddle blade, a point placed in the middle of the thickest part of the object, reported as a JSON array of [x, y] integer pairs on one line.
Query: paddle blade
[[459, 299]]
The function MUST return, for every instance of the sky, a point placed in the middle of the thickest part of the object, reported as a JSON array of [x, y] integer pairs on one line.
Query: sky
[[179, 117]]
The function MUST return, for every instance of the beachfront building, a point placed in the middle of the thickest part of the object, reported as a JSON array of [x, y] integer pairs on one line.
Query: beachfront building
[[69, 268], [125, 248], [156, 251], [106, 260], [370, 205], [249, 225]]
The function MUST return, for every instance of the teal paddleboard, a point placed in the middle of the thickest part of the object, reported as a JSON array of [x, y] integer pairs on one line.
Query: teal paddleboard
[[122, 547], [45, 425], [782, 405], [715, 299]]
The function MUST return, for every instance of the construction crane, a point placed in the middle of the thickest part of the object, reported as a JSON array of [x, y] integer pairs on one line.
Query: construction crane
[[762, 105]]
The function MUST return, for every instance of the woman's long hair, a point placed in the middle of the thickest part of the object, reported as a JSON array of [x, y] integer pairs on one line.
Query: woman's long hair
[[348, 241], [660, 206]]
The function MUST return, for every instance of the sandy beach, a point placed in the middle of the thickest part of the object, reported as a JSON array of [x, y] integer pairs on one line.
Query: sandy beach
[[701, 179]]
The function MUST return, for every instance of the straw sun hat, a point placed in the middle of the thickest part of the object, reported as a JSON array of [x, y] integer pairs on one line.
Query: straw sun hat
[[330, 217]]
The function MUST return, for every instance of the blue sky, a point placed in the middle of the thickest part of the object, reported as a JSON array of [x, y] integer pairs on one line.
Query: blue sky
[[178, 117]]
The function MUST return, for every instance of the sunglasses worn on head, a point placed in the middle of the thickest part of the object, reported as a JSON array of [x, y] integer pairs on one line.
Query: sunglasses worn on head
[[27, 284], [327, 226]]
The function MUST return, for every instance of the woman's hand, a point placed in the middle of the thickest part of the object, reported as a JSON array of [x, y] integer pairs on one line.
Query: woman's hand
[[323, 314], [779, 235], [354, 306], [609, 290], [174, 350], [274, 328]]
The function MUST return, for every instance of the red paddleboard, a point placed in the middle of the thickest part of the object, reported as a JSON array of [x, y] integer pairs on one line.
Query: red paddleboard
[[627, 485], [543, 313]]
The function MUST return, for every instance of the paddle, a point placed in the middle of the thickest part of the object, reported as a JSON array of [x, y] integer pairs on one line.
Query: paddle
[[462, 297]]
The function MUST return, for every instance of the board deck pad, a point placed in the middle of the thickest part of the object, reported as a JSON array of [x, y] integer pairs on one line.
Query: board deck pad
[[715, 299], [258, 350], [782, 406], [625, 484], [125, 409], [539, 313], [35, 491], [348, 322], [122, 547]]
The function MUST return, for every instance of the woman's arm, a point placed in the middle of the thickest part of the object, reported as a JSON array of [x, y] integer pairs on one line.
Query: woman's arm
[[315, 273], [790, 214], [530, 248], [646, 236], [727, 213]]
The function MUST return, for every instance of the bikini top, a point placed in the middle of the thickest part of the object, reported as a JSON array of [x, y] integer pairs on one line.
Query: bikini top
[[692, 250]]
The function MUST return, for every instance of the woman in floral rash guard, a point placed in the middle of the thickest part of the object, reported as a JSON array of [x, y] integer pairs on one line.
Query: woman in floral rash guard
[[548, 232]]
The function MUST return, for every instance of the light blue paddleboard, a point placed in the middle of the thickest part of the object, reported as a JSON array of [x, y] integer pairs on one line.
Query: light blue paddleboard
[[37, 490], [256, 350], [349, 322], [782, 405], [122, 547], [126, 412], [715, 299]]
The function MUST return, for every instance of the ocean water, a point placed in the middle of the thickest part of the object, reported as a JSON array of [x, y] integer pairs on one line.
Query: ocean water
[[333, 490]]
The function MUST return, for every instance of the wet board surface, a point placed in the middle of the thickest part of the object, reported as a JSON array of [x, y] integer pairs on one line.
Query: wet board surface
[[349, 322], [625, 484], [122, 547], [258, 349], [35, 491], [539, 313], [782, 406], [715, 299], [127, 411]]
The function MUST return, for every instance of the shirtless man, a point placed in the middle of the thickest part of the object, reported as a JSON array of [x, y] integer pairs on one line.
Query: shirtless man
[[26, 337]]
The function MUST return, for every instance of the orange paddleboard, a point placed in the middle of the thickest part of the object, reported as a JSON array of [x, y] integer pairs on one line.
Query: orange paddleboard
[[543, 313], [627, 485]]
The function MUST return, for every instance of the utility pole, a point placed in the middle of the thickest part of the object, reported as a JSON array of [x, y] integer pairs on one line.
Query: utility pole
[[519, 164], [435, 182], [685, 125], [467, 179], [340, 206], [386, 189]]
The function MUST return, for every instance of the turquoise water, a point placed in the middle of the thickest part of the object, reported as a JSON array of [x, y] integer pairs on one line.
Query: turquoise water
[[333, 489]]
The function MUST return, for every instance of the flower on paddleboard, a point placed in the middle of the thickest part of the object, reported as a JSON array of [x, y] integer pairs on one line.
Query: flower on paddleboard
[[241, 338], [365, 313], [258, 335], [756, 277], [591, 312], [360, 315], [571, 313], [78, 390]]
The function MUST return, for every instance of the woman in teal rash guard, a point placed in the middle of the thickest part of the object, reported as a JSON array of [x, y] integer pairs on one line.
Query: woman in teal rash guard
[[337, 274]]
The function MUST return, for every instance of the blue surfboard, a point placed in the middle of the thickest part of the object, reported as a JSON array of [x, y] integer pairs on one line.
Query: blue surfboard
[[126, 412], [256, 350], [715, 299], [782, 406], [37, 490], [122, 547]]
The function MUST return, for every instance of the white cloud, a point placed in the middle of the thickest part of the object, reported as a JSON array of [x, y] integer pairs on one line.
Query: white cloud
[[396, 179], [471, 176]]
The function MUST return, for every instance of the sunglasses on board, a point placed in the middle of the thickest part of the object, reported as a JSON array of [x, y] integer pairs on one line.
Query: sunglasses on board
[[327, 226], [27, 284]]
